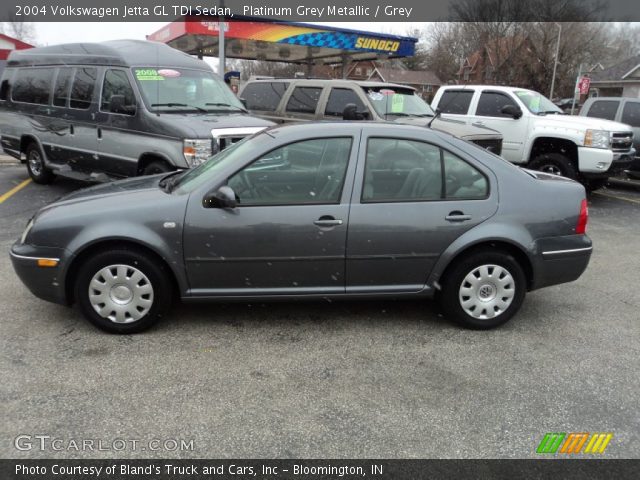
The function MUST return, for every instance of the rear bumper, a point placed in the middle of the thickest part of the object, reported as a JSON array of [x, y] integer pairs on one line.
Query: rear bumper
[[44, 282], [560, 259]]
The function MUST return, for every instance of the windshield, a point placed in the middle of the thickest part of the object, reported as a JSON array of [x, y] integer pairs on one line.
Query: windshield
[[179, 89], [207, 171], [397, 101], [537, 103]]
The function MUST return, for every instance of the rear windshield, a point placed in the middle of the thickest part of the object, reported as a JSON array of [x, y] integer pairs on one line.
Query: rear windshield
[[168, 89]]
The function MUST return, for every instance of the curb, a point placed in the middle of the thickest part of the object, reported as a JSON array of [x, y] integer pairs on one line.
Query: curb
[[8, 160], [626, 183]]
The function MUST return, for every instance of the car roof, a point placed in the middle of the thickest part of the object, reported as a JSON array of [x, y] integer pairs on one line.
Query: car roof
[[627, 99], [347, 127], [499, 88], [333, 81], [123, 53]]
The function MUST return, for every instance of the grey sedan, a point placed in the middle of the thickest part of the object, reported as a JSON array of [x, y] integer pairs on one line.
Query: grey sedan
[[315, 211]]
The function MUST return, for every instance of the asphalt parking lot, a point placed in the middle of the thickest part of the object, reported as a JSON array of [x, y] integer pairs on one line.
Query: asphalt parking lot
[[329, 380]]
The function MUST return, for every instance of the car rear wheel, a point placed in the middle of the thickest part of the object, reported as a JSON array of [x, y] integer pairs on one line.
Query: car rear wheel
[[123, 291], [38, 172], [555, 163], [483, 290]]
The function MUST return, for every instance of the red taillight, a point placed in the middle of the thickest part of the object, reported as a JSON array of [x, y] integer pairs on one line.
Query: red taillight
[[581, 227]]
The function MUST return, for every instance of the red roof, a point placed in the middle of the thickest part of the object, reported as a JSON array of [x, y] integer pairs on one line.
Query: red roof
[[19, 45]]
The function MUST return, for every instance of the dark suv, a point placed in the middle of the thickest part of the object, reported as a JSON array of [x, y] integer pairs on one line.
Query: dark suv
[[301, 100]]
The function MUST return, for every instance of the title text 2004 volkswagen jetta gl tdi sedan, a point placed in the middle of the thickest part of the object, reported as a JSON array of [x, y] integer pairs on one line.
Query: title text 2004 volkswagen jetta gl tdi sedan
[[334, 210]]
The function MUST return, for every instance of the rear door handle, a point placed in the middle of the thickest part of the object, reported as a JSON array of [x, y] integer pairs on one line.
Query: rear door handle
[[457, 216], [479, 123], [327, 221]]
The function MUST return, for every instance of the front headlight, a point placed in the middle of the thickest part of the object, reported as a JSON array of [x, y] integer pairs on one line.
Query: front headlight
[[597, 139], [23, 238], [196, 151]]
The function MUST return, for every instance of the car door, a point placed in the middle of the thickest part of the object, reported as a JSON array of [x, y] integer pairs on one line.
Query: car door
[[302, 103], [403, 216], [488, 113], [118, 124], [338, 99], [288, 233]]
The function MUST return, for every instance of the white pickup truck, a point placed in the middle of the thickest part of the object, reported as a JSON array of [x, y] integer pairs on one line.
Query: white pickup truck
[[537, 133]]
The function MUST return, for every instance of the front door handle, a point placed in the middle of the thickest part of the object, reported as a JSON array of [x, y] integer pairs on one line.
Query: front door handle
[[327, 221], [457, 216], [479, 123]]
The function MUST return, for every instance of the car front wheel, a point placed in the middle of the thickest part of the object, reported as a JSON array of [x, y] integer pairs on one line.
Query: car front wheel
[[555, 163], [123, 290], [483, 290]]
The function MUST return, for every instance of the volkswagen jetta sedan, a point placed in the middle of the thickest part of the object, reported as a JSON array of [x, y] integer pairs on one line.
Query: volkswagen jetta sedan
[[332, 210]]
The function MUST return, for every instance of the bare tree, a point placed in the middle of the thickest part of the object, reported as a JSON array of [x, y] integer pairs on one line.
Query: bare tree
[[23, 31]]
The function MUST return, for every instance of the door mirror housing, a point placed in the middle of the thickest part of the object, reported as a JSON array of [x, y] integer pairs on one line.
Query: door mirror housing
[[223, 197], [351, 112], [117, 105], [512, 110]]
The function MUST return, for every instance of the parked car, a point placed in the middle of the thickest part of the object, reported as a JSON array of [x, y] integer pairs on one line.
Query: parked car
[[98, 111], [620, 109], [326, 210], [305, 100], [566, 104], [538, 135]]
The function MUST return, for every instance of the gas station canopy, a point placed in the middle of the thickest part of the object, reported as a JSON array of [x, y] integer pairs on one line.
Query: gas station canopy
[[263, 39]]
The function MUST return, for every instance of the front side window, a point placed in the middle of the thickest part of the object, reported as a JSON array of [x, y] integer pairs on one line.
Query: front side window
[[61, 88], [398, 170], [304, 100], [392, 101], [264, 96], [32, 85], [536, 103], [492, 103], [631, 114], [116, 83], [307, 172], [455, 102], [183, 90], [605, 109], [340, 98], [82, 88]]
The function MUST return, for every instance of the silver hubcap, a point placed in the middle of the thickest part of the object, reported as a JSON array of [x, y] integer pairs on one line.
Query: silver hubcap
[[35, 163], [121, 293], [487, 291]]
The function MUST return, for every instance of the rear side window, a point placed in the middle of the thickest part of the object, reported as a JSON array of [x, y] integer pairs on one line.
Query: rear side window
[[61, 89], [117, 83], [32, 85], [339, 98], [264, 96], [492, 103], [604, 109], [304, 100], [631, 114], [455, 101], [82, 88]]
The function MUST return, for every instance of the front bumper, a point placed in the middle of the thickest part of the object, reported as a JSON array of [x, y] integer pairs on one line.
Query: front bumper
[[560, 259], [44, 282]]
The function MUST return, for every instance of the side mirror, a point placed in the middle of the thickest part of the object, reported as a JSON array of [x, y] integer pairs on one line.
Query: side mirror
[[117, 105], [351, 112], [223, 197], [512, 110]]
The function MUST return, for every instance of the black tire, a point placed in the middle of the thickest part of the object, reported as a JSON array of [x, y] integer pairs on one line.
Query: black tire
[[157, 166], [595, 184], [156, 275], [452, 295], [38, 172], [554, 163]]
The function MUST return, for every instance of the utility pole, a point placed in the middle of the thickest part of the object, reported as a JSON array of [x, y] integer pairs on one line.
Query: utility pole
[[555, 61], [221, 50], [573, 102]]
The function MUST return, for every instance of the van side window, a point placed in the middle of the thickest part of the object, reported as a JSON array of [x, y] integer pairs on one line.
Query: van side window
[[339, 98], [61, 89], [455, 101], [631, 114], [264, 96], [605, 109], [304, 100], [82, 88], [32, 85], [117, 83]]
